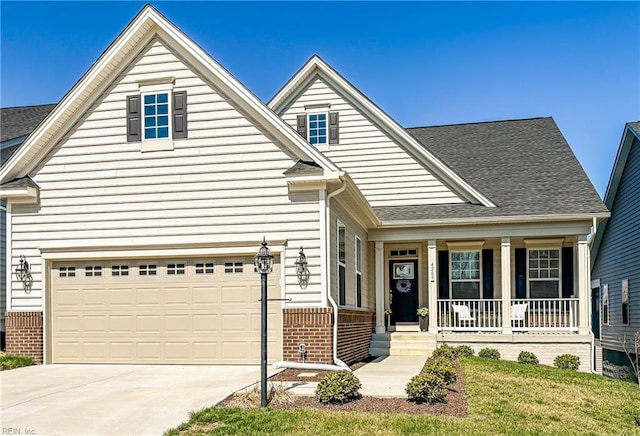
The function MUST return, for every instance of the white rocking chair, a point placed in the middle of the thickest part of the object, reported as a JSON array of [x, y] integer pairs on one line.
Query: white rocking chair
[[463, 315], [518, 313]]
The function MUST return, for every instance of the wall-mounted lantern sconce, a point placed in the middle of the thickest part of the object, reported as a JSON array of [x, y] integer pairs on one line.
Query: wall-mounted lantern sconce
[[301, 269], [23, 274]]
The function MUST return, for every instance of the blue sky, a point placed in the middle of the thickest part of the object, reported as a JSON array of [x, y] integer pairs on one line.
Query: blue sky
[[424, 63]]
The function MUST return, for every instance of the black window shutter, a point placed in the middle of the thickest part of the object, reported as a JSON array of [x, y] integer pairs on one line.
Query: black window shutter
[[521, 272], [487, 274], [179, 114], [134, 121], [567, 272], [302, 126], [443, 274], [333, 127]]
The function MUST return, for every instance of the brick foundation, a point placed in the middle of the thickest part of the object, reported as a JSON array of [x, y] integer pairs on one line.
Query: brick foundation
[[312, 327], [355, 328], [24, 334]]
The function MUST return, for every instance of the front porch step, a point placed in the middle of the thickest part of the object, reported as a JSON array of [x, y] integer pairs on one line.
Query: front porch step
[[402, 344]]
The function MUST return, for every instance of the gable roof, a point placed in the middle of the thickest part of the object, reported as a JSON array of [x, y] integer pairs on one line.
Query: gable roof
[[630, 134], [315, 66], [16, 122], [525, 166], [147, 24]]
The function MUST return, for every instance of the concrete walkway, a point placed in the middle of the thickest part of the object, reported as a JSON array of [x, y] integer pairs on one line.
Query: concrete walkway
[[386, 376]]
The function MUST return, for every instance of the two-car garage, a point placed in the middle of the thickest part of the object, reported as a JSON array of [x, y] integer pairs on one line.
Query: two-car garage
[[162, 310]]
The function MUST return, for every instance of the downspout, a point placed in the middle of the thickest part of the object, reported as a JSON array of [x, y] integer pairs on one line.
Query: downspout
[[328, 271]]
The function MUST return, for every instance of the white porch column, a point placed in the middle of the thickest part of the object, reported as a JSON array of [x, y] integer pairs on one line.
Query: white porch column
[[584, 281], [505, 284], [432, 287], [379, 263]]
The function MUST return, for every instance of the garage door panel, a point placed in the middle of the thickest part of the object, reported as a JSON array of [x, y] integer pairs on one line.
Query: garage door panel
[[149, 324], [181, 318], [122, 297], [148, 297], [94, 298], [175, 296]]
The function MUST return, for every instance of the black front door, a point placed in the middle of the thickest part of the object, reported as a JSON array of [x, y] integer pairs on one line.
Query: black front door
[[403, 275]]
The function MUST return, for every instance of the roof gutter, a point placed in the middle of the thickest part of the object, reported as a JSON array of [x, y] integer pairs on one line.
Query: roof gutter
[[493, 220]]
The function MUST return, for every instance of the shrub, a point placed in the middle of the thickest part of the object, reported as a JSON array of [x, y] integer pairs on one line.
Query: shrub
[[443, 368], [489, 353], [527, 358], [338, 387], [9, 361], [426, 387], [463, 351], [567, 361], [443, 350]]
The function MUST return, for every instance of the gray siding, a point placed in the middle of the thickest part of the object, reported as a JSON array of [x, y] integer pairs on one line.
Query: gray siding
[[619, 255]]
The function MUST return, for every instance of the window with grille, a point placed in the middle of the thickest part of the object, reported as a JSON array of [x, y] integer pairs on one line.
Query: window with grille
[[93, 271]]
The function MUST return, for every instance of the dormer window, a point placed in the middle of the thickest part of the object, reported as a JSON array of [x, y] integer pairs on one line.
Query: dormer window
[[319, 128]]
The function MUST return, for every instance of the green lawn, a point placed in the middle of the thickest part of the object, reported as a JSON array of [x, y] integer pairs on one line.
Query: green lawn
[[504, 398]]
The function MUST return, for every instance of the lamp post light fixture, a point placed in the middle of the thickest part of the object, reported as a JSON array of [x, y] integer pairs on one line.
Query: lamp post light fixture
[[264, 265], [23, 274]]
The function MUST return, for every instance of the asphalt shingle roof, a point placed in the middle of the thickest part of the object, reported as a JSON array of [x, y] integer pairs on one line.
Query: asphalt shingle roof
[[635, 125], [20, 121], [524, 166], [304, 167]]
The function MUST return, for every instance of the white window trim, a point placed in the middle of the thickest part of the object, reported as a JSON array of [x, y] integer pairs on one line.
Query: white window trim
[[605, 291], [320, 146], [340, 224], [358, 271], [472, 248], [151, 87], [559, 279]]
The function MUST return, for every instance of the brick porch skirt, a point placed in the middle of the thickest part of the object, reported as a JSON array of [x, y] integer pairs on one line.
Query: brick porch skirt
[[24, 334], [313, 327]]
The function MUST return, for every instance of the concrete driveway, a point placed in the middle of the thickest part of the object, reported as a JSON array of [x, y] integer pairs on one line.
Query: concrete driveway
[[112, 399]]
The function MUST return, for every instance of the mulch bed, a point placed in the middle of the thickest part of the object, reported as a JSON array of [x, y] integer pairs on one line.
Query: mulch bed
[[456, 400]]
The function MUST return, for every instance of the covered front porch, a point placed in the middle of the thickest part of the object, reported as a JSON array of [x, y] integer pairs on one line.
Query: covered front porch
[[506, 285]]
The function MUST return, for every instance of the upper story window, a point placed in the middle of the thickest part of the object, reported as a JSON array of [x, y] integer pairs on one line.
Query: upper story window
[[156, 116], [625, 302], [319, 128], [605, 305]]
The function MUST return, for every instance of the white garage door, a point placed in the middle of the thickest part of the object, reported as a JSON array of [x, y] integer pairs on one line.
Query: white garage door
[[182, 311]]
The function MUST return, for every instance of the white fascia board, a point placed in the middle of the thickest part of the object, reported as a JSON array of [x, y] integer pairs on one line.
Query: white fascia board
[[281, 99], [144, 26], [27, 194], [493, 220]]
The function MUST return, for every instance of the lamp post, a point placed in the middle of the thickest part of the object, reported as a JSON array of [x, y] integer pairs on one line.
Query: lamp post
[[264, 265]]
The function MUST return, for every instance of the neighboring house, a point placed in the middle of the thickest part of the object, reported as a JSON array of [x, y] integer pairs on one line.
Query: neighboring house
[[615, 257], [142, 198], [15, 125]]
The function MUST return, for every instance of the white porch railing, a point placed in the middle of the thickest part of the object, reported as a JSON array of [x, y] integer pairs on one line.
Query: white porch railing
[[526, 315], [470, 315], [549, 314]]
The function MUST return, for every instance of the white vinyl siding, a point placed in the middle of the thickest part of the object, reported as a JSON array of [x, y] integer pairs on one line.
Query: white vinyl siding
[[352, 230], [385, 173], [222, 185]]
